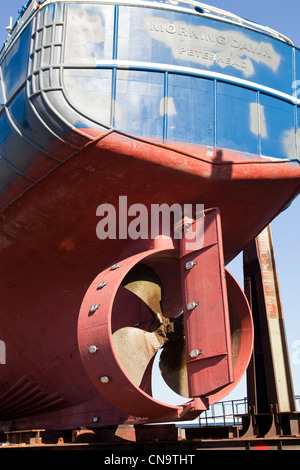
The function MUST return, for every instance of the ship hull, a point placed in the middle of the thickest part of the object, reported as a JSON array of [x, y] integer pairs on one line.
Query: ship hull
[[50, 253], [59, 164]]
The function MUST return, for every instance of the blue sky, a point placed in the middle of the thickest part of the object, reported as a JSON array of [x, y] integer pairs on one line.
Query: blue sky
[[284, 17]]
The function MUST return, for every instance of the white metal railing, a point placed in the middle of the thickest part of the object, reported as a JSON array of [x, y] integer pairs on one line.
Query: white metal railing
[[238, 19], [229, 412], [24, 14], [224, 413], [26, 11]]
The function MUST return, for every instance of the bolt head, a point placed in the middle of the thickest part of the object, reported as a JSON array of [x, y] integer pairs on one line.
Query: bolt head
[[115, 266], [101, 285], [105, 379], [195, 353], [93, 349], [191, 305], [190, 264], [94, 308]]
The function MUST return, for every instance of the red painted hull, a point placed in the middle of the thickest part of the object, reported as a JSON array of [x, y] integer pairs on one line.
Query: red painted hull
[[50, 254]]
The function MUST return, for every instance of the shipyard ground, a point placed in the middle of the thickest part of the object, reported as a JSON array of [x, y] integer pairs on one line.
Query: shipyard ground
[[174, 445]]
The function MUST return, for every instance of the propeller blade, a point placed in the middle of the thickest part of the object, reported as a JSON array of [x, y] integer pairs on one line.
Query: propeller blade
[[135, 348], [144, 283], [173, 366]]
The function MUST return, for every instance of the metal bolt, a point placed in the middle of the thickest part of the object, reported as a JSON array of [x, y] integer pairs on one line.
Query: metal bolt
[[93, 349], [192, 305], [94, 308], [95, 419], [190, 264], [195, 353], [115, 266], [101, 285], [104, 379]]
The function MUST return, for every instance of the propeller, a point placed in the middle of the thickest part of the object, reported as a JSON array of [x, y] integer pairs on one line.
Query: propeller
[[155, 327], [203, 351], [136, 347]]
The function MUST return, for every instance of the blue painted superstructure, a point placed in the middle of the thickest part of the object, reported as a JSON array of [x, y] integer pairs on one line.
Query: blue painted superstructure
[[166, 71]]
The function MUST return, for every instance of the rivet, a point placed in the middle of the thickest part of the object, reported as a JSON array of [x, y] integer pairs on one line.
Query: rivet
[[195, 353], [115, 266], [104, 379], [101, 285], [94, 308], [190, 264], [93, 349], [192, 305], [95, 419]]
